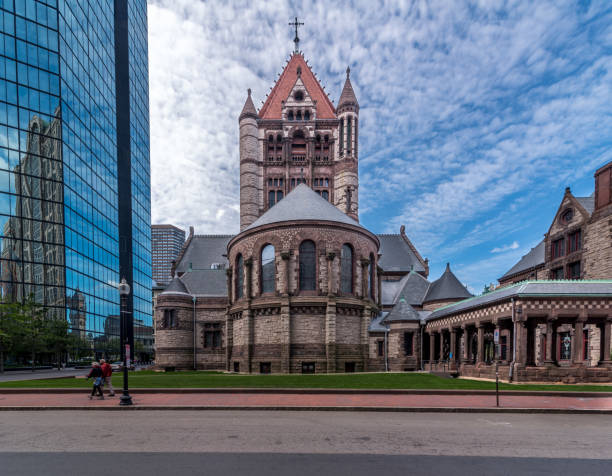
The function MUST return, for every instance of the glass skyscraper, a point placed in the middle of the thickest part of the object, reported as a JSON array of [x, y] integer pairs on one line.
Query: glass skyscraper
[[74, 163]]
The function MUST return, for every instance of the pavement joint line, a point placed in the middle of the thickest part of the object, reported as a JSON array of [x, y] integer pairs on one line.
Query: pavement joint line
[[568, 411], [306, 391]]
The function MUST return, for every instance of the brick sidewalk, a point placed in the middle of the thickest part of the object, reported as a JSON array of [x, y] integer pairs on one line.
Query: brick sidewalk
[[312, 400]]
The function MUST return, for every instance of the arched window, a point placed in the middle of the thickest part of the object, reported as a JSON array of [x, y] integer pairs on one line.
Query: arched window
[[239, 277], [341, 135], [346, 269], [268, 271], [290, 115], [307, 116], [371, 276], [308, 266], [348, 135], [298, 116]]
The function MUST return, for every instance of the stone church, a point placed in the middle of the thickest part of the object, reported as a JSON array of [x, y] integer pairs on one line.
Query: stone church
[[305, 288]]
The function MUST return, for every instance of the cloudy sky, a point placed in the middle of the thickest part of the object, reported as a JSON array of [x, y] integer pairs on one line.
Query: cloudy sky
[[474, 115]]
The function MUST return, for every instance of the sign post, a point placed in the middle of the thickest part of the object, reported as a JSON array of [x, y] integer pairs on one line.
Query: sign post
[[496, 341]]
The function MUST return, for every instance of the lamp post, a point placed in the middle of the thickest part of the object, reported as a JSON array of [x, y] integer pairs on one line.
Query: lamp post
[[124, 292]]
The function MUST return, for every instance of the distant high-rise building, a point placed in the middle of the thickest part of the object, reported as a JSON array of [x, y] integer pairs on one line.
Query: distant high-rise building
[[74, 162], [166, 244]]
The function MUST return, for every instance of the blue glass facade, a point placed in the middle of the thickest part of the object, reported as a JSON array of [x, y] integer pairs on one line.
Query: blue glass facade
[[60, 201]]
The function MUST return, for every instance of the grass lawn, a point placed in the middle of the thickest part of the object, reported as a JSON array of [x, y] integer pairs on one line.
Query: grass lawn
[[150, 379]]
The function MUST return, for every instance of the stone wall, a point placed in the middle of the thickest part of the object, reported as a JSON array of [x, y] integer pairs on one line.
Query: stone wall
[[598, 246]]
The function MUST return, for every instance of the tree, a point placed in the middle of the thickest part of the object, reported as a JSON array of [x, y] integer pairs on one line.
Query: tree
[[56, 337], [10, 327], [34, 326]]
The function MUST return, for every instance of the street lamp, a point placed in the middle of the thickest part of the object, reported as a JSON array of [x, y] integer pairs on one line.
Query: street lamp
[[124, 292]]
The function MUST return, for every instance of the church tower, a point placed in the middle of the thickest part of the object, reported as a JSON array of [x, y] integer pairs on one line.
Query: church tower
[[299, 136]]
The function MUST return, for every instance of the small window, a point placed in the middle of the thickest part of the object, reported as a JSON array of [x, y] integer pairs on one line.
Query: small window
[[265, 368], [307, 116], [290, 116], [239, 276], [565, 347], [298, 96], [408, 341], [349, 367], [557, 273], [279, 138], [380, 348], [558, 248], [212, 339], [573, 270], [325, 195], [308, 266], [271, 198], [298, 116], [575, 241], [237, 367], [279, 196], [567, 216], [308, 367], [270, 138]]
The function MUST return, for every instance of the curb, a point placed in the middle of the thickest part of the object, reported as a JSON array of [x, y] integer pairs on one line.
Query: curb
[[322, 409], [314, 391]]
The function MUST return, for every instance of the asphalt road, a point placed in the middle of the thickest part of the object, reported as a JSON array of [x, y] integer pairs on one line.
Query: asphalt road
[[299, 443]]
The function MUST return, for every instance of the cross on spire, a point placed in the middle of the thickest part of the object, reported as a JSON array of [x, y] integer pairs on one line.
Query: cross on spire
[[296, 40]]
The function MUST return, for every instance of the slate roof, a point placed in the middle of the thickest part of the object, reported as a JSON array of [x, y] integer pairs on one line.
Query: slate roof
[[536, 257], [446, 286], [529, 289], [348, 95], [588, 203], [200, 282], [376, 324], [414, 289], [202, 251], [272, 108], [397, 255], [302, 203], [402, 311]]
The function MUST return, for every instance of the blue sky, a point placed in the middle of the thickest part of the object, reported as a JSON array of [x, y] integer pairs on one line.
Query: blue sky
[[474, 115]]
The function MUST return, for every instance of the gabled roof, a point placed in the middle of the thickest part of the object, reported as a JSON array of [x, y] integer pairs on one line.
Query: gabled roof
[[377, 325], [446, 286], [348, 95], [302, 203], [530, 289], [536, 257], [397, 255], [248, 108], [273, 106], [202, 251]]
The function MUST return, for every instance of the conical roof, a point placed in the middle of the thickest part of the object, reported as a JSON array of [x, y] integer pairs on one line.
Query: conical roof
[[446, 286], [347, 97], [302, 203], [249, 107], [297, 67]]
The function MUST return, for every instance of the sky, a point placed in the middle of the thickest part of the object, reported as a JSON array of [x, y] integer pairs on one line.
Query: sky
[[474, 116]]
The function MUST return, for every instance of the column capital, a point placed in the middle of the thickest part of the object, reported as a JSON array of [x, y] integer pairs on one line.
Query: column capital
[[331, 255], [248, 262], [285, 254]]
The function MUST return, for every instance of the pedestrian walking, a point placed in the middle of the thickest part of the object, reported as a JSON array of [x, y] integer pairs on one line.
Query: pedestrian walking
[[107, 373], [98, 382]]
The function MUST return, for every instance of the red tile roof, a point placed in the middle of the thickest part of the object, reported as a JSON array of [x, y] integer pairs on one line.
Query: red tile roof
[[272, 107]]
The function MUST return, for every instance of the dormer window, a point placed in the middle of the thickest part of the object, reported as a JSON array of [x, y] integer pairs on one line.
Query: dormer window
[[298, 96], [298, 116], [307, 116], [290, 116]]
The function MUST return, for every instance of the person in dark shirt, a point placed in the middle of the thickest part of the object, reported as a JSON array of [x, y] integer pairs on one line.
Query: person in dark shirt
[[96, 374]]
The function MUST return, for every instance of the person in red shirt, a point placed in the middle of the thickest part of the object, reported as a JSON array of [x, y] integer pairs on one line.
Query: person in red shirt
[[107, 373]]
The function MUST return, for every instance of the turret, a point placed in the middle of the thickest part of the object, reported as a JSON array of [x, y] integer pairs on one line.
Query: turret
[[346, 179], [250, 176]]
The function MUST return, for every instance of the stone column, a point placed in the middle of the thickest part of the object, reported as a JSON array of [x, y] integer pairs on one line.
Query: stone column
[[285, 329], [453, 344], [285, 255], [330, 274], [364, 278], [229, 284], [248, 317], [432, 346], [466, 343], [378, 287], [365, 324], [480, 358], [248, 266], [441, 345], [578, 342], [521, 342], [330, 335], [605, 341], [549, 341]]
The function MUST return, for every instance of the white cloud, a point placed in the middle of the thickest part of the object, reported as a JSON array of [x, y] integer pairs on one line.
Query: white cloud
[[501, 249]]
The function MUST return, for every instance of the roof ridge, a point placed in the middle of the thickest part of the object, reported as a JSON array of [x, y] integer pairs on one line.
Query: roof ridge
[[213, 236]]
